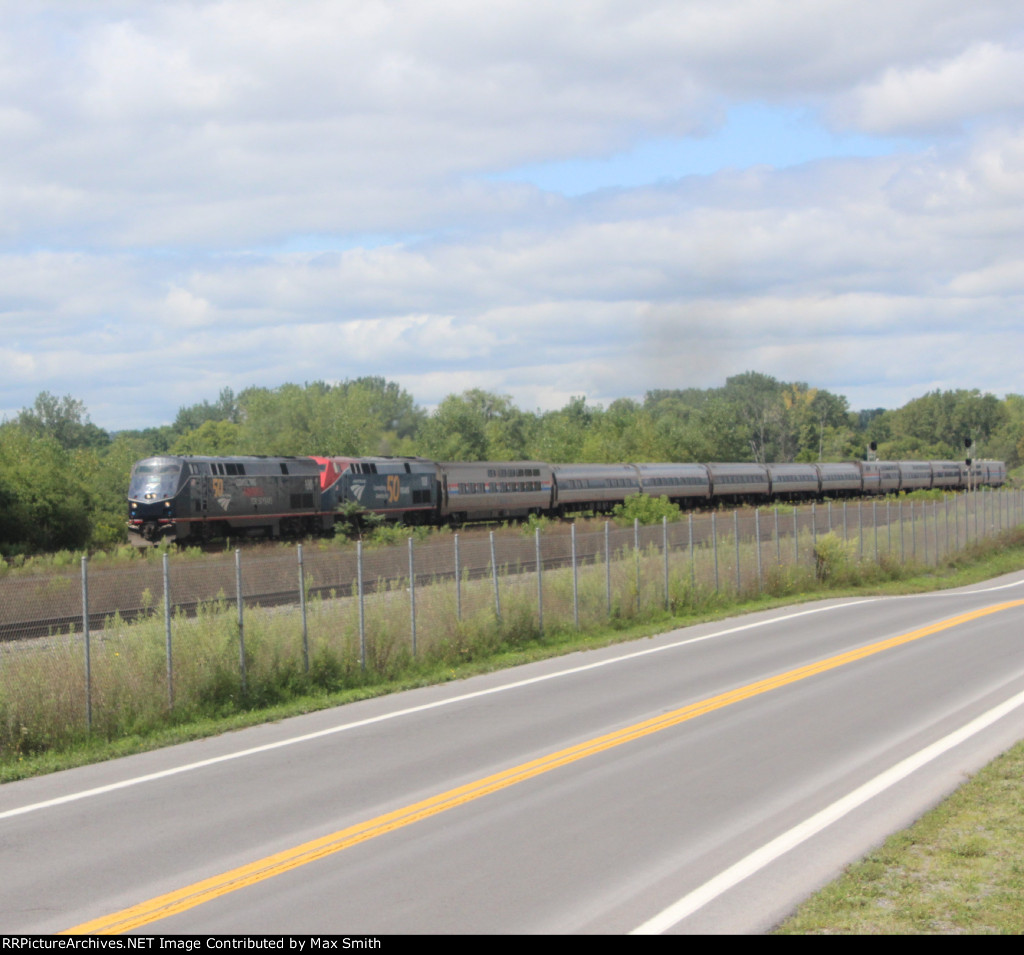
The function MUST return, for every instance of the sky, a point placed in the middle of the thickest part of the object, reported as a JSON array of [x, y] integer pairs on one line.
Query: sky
[[588, 197]]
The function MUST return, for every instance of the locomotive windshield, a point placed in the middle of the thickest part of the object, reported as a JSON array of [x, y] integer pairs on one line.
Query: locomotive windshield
[[155, 479]]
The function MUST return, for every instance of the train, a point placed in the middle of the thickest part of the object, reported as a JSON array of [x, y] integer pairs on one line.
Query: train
[[191, 499]]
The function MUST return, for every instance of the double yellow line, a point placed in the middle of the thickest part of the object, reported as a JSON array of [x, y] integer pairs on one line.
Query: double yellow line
[[173, 903]]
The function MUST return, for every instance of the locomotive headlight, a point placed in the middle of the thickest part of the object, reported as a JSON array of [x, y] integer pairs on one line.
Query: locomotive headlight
[[167, 503]]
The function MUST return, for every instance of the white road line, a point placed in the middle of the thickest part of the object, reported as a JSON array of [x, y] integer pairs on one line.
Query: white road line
[[768, 853], [344, 727], [959, 592]]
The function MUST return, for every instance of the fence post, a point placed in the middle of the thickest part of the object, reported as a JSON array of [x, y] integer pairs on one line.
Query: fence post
[[874, 525], [540, 582], [167, 630], [714, 546], [302, 608], [945, 507], [85, 636], [778, 539], [924, 527], [796, 539], [888, 530], [636, 558], [956, 520], [736, 541], [899, 517], [664, 547], [913, 532], [814, 526], [362, 605], [693, 568], [607, 568], [458, 581], [494, 577], [241, 618], [575, 580], [412, 599], [757, 536]]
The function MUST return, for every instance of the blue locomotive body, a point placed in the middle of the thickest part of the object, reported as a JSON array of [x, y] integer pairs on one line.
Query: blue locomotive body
[[197, 498]]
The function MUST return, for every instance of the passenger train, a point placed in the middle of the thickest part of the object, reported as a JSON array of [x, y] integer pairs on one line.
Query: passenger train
[[195, 498]]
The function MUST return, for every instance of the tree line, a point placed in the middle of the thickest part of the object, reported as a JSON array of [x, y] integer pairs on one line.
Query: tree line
[[63, 479]]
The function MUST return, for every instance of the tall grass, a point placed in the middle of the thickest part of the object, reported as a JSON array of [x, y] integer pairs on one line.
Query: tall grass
[[44, 697]]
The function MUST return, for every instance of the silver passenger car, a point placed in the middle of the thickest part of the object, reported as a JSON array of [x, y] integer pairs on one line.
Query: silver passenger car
[[494, 490], [839, 480], [879, 477], [593, 487], [915, 475], [792, 482], [737, 482], [949, 474], [681, 483]]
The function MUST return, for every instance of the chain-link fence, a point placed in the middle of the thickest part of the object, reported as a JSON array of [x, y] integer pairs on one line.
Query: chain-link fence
[[111, 650]]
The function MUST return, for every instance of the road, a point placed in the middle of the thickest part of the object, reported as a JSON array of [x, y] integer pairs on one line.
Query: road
[[702, 781]]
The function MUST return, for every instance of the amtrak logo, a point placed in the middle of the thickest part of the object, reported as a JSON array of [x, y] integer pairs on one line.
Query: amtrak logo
[[224, 502], [357, 488]]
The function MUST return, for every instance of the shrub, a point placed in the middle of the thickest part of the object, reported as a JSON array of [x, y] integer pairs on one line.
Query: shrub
[[646, 509], [832, 557]]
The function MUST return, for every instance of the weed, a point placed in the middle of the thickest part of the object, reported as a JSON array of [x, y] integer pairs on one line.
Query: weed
[[646, 510], [43, 693]]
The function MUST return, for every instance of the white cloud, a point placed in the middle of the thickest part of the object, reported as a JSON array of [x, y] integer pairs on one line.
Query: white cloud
[[158, 157], [981, 81]]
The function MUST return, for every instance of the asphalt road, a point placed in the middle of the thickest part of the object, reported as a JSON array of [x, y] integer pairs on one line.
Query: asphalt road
[[701, 781]]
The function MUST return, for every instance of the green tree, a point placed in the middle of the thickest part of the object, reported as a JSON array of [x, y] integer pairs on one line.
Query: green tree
[[217, 437], [558, 435], [363, 417], [46, 503], [1007, 441], [613, 434], [225, 408], [64, 419], [476, 426], [758, 400], [106, 473], [392, 407], [936, 425], [818, 421]]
